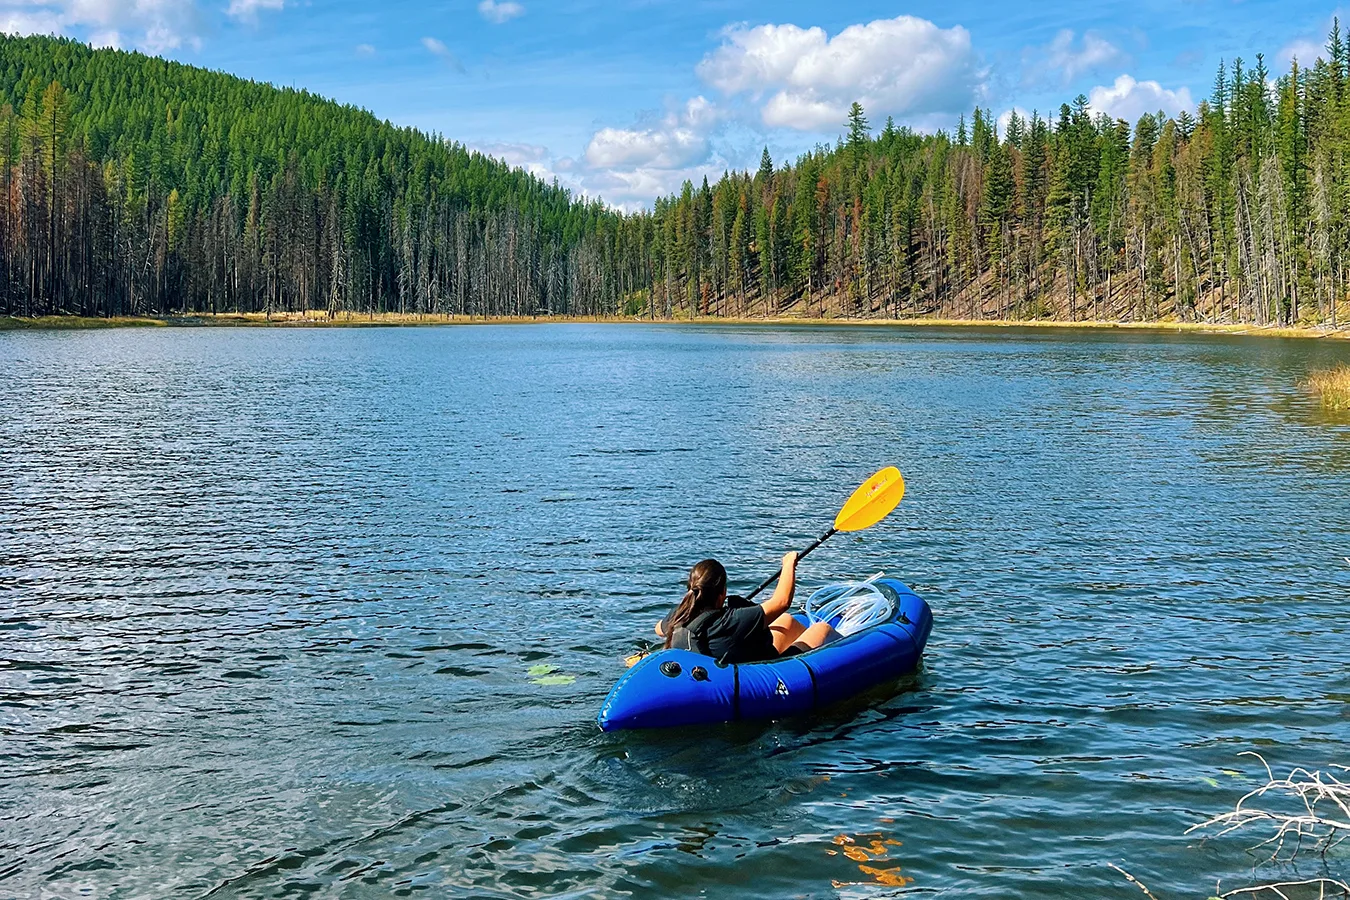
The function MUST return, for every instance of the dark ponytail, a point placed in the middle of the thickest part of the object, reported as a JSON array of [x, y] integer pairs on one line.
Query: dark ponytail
[[707, 583]]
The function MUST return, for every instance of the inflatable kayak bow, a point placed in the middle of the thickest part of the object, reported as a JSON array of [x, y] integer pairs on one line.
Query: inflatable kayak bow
[[679, 687]]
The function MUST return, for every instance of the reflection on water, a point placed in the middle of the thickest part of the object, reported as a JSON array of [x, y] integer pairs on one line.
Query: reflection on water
[[331, 612]]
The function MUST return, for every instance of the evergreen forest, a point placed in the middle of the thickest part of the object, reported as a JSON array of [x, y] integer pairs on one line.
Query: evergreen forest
[[138, 186]]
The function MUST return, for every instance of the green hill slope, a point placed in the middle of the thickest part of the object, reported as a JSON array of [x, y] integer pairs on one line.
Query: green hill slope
[[139, 185]]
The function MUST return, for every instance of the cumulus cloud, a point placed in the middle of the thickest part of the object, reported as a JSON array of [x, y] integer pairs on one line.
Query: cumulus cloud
[[501, 12], [907, 67], [1129, 99], [1066, 59], [804, 111], [152, 25], [23, 21], [678, 139], [628, 167], [623, 179], [247, 10], [634, 189]]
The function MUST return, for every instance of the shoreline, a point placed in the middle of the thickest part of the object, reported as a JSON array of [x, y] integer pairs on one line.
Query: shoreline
[[405, 320]]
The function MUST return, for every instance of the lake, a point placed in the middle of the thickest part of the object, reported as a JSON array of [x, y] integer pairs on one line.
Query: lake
[[330, 613]]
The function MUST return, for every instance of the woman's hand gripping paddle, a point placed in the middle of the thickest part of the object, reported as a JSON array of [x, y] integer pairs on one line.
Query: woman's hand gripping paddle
[[870, 503]]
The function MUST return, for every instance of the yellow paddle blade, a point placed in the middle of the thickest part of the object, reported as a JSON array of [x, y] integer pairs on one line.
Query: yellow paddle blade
[[872, 501]]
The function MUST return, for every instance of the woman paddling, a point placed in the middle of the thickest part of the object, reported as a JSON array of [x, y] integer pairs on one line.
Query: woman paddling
[[739, 631]]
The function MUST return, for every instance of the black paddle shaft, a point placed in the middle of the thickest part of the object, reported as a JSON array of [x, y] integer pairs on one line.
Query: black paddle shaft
[[774, 577]]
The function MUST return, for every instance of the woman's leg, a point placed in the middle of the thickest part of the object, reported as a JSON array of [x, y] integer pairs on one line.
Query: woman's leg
[[815, 636], [785, 629]]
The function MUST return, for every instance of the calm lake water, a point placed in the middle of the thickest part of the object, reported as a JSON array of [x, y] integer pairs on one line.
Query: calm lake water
[[282, 612]]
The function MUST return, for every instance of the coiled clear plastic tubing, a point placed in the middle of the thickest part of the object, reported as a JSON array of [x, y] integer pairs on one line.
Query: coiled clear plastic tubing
[[854, 604]]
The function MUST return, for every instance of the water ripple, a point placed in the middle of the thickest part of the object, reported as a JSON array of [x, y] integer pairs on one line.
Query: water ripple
[[270, 603]]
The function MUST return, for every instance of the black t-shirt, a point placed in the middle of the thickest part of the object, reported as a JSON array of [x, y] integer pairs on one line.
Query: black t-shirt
[[735, 634]]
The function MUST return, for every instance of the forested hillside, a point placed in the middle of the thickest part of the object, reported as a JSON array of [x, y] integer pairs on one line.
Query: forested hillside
[[137, 185], [140, 186], [1238, 212]]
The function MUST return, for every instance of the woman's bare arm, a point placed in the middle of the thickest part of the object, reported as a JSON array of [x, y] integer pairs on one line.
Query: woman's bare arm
[[778, 604]]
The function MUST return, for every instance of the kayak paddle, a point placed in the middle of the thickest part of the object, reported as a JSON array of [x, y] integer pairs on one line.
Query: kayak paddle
[[870, 503]]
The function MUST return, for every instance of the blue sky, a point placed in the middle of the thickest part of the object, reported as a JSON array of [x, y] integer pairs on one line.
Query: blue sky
[[624, 100]]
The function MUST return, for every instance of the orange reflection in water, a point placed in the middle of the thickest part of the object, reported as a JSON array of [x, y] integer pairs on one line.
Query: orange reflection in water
[[873, 847]]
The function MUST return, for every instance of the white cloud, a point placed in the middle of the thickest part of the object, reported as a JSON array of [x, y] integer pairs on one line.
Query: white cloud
[[500, 12], [634, 189], [438, 48], [365, 49], [1067, 60], [1307, 47], [106, 39], [20, 21], [152, 25], [1129, 99], [1305, 50], [804, 111], [627, 190], [533, 158], [628, 167], [907, 67], [618, 147], [676, 140], [247, 10]]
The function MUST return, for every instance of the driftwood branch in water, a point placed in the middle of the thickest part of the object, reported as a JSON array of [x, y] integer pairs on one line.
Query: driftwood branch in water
[[1315, 808], [1305, 812]]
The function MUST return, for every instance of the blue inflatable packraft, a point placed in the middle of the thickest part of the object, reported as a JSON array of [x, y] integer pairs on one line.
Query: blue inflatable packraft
[[680, 687]]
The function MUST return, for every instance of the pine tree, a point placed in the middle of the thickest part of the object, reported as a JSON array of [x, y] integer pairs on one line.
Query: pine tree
[[1336, 53], [764, 244], [1034, 161], [857, 130], [51, 131], [738, 262], [1185, 124], [888, 133], [997, 201], [780, 243], [804, 228], [765, 174], [1014, 129], [1219, 98]]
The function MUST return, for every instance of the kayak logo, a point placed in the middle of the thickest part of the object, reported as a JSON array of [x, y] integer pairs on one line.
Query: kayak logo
[[782, 689]]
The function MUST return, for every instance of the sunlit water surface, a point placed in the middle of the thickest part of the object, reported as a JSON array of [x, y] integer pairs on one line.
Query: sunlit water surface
[[298, 613]]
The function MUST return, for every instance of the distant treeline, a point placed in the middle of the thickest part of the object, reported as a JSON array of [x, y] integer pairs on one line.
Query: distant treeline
[[140, 186], [134, 185], [1239, 212]]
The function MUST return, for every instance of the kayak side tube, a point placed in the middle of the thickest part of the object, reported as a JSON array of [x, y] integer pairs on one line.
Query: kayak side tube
[[671, 688]]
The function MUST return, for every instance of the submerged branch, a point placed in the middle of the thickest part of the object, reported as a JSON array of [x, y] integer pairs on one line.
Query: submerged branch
[[1320, 814], [1339, 888], [1306, 811]]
